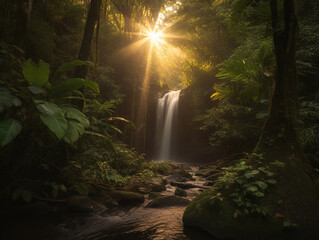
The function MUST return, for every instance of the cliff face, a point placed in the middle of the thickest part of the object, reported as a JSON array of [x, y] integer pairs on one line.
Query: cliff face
[[191, 144]]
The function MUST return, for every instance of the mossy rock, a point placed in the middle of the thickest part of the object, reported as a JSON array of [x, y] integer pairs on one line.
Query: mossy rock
[[154, 195], [127, 198], [158, 185], [168, 201], [217, 218]]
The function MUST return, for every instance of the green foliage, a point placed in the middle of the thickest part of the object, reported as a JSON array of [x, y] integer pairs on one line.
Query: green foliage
[[36, 74], [7, 100], [66, 123], [23, 193], [249, 185], [246, 80], [65, 88], [52, 116], [230, 125], [160, 167], [65, 68], [9, 129]]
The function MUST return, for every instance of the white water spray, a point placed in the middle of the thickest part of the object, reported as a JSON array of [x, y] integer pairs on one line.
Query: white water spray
[[166, 113]]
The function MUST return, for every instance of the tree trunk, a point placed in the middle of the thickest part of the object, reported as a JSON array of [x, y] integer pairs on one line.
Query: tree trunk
[[282, 119], [86, 45], [280, 139], [22, 18]]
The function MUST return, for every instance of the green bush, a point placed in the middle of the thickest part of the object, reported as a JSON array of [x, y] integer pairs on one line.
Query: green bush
[[230, 126]]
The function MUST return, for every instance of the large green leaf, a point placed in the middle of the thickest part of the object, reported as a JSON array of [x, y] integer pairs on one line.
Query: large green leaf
[[53, 117], [9, 129], [73, 132], [65, 88], [36, 74], [68, 66], [7, 99], [71, 113], [93, 85]]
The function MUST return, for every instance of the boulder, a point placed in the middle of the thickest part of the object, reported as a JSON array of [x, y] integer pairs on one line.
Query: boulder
[[184, 185], [154, 195], [179, 175], [105, 199], [217, 218], [158, 185], [168, 201], [127, 198], [180, 192], [144, 186]]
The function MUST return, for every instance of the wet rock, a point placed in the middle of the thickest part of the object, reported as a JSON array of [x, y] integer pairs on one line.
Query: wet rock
[[106, 200], [158, 185], [168, 201], [143, 190], [144, 186], [184, 185], [154, 195], [82, 204], [180, 192], [179, 175], [127, 198]]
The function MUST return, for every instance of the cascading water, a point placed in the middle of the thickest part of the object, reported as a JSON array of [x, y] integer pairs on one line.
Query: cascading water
[[166, 113]]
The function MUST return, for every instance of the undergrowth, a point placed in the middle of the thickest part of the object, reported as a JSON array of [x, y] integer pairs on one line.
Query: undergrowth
[[248, 185]]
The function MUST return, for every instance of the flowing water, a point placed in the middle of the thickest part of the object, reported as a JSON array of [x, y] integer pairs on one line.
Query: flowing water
[[137, 223], [167, 107]]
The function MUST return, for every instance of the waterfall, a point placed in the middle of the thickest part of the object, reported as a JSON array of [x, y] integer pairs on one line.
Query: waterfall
[[166, 113]]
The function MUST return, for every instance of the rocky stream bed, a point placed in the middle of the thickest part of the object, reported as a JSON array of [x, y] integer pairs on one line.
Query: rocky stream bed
[[117, 214]]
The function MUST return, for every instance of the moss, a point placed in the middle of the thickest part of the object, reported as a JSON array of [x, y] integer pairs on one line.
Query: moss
[[217, 218], [127, 198], [154, 195]]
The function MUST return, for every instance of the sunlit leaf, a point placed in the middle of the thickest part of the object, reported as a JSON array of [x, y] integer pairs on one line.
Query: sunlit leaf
[[36, 74]]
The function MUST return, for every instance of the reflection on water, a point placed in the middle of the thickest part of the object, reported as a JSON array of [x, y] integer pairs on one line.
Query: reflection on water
[[139, 223]]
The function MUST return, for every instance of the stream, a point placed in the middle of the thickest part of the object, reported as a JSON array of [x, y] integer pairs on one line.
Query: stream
[[137, 223]]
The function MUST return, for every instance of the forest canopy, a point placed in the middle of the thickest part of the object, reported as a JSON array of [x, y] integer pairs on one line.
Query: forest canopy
[[82, 83]]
